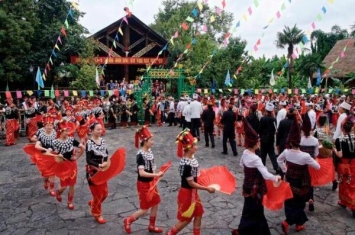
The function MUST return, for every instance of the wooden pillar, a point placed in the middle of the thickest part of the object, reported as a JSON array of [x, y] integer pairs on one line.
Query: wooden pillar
[[127, 43]]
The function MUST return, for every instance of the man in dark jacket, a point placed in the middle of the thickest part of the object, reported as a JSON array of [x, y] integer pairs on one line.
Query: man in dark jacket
[[283, 130], [267, 129], [228, 120], [253, 119], [208, 116]]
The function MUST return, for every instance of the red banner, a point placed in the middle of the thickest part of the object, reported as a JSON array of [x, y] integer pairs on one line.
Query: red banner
[[122, 60]]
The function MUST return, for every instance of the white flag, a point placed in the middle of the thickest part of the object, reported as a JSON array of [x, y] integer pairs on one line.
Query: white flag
[[97, 78], [309, 85], [272, 79]]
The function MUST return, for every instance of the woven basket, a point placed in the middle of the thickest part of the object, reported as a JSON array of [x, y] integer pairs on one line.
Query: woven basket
[[324, 152]]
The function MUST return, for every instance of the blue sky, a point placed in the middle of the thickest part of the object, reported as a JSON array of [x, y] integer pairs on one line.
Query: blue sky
[[101, 13]]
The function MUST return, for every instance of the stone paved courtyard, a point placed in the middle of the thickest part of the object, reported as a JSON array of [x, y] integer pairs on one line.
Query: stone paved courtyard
[[26, 208]]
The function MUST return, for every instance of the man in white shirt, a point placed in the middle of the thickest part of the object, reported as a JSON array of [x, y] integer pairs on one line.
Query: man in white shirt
[[179, 109], [186, 112], [171, 112], [196, 111], [311, 114], [281, 114], [344, 108]]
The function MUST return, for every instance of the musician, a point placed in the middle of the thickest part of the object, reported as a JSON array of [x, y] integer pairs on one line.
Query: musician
[[124, 114], [64, 147], [44, 143], [147, 111], [189, 171], [146, 172], [134, 110], [96, 159], [12, 125], [253, 220]]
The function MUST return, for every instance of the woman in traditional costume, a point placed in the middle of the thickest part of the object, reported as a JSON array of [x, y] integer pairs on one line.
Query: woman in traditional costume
[[96, 159], [82, 127], [146, 167], [64, 148], [189, 203], [11, 125], [294, 163], [44, 142], [309, 144], [30, 114], [345, 150], [253, 220]]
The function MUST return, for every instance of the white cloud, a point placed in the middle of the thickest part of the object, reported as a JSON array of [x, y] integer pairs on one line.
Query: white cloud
[[101, 13]]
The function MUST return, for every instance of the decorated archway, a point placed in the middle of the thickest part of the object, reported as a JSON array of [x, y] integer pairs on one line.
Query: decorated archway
[[176, 82]]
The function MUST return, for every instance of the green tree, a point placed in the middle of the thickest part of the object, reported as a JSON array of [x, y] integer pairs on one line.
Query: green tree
[[17, 26], [322, 42], [52, 14], [82, 74], [172, 14], [289, 37]]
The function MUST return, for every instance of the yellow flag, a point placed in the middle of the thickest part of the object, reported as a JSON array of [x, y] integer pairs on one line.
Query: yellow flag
[[289, 91], [212, 19], [245, 17], [331, 1], [256, 91], [206, 91], [57, 47], [75, 5], [271, 20], [44, 77], [75, 93], [200, 6], [171, 40], [120, 31], [30, 92]]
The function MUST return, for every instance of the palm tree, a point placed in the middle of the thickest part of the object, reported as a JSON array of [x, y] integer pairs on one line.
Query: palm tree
[[289, 37]]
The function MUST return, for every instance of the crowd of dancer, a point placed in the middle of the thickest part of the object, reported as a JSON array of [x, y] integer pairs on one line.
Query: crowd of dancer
[[301, 129]]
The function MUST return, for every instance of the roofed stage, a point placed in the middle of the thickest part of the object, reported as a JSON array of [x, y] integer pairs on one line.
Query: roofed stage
[[137, 48]]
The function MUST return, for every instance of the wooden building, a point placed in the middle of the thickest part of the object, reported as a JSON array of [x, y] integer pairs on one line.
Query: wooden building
[[135, 49]]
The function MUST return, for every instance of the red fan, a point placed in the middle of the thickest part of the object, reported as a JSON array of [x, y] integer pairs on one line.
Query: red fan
[[164, 168], [275, 196], [32, 152], [219, 178], [325, 174], [118, 162]]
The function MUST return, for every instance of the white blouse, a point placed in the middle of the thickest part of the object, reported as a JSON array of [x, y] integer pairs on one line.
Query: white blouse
[[297, 157], [251, 160]]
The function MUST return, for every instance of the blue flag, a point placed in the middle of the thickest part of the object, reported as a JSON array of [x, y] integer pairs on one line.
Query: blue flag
[[228, 79], [39, 79], [319, 77]]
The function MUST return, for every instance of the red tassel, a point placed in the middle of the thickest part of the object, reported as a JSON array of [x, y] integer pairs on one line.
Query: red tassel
[[179, 151], [136, 142]]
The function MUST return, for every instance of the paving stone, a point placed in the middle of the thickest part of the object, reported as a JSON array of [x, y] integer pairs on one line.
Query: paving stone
[[26, 208]]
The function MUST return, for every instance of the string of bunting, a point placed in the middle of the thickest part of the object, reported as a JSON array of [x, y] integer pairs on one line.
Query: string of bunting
[[117, 38], [341, 55], [257, 45], [63, 32], [185, 26], [295, 91], [306, 39], [66, 93], [227, 35]]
